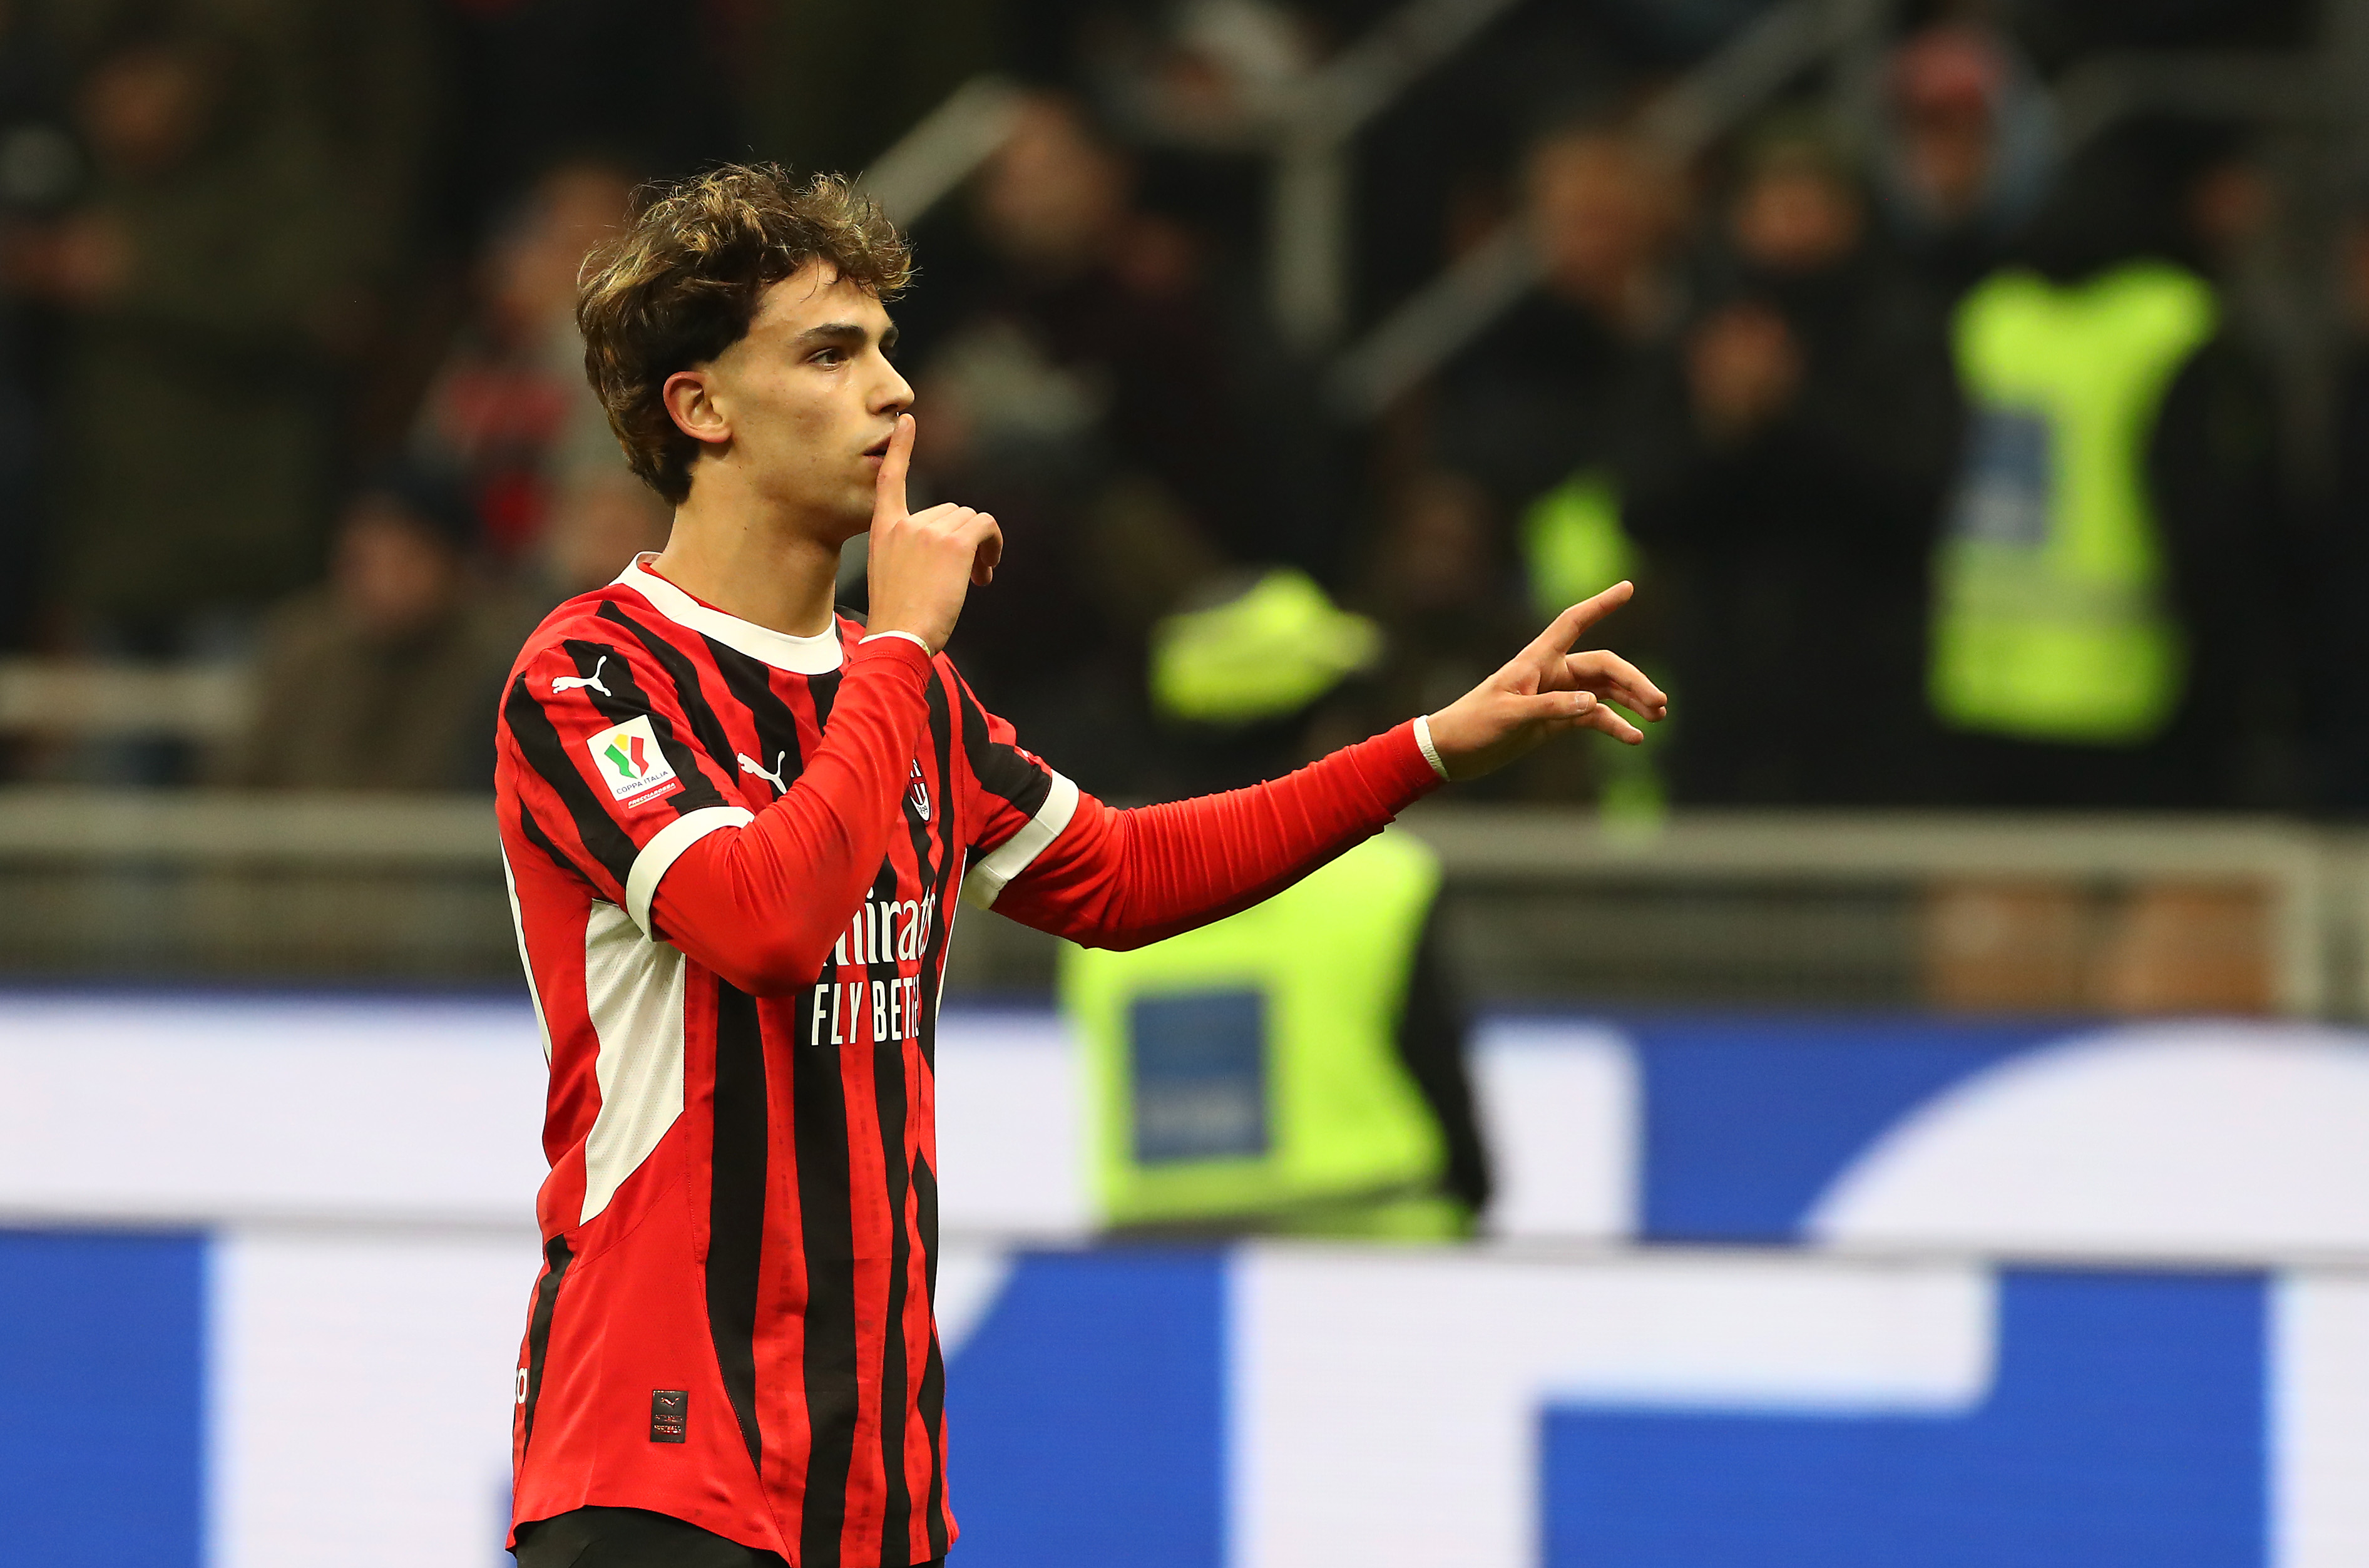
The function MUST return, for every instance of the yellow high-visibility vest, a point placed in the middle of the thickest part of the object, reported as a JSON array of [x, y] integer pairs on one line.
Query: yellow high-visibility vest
[[2050, 622], [1249, 1071]]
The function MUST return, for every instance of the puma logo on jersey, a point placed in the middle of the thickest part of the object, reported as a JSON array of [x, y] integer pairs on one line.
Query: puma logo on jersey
[[919, 793], [750, 765], [577, 683]]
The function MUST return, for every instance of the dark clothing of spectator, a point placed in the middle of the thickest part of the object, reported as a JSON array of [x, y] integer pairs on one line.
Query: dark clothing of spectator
[[2336, 645], [1152, 355], [207, 275], [1537, 397], [196, 425], [1095, 416], [2230, 559], [340, 709], [1800, 548]]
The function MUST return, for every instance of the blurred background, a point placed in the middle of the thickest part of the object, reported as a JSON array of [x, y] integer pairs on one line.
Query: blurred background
[[1911, 1110]]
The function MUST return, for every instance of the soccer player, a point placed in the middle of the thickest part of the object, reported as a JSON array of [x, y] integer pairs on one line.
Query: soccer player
[[737, 826]]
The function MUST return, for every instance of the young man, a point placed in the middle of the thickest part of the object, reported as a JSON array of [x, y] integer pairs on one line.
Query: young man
[[737, 825]]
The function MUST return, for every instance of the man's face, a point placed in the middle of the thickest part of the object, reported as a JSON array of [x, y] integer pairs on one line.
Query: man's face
[[810, 398]]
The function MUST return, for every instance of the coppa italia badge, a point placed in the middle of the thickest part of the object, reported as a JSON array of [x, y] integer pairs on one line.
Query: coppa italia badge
[[630, 764]]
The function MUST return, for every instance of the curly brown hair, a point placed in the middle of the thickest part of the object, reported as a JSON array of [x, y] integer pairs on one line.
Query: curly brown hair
[[681, 283]]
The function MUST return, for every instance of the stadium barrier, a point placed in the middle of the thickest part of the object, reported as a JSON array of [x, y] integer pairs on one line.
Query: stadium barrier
[[1760, 1291], [2066, 915]]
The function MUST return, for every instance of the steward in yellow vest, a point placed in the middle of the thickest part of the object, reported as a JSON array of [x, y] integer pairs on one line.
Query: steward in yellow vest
[[2103, 630], [1296, 1067], [1300, 1065], [2053, 620]]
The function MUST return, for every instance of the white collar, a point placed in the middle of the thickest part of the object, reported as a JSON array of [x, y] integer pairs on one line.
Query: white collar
[[817, 655]]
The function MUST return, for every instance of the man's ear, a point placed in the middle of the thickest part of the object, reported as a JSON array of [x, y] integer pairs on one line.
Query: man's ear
[[689, 398]]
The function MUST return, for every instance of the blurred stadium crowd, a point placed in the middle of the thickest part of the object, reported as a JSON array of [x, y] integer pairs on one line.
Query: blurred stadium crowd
[[289, 380]]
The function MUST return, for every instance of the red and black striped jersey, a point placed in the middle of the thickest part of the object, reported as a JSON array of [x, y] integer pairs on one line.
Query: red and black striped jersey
[[733, 1324], [735, 857]]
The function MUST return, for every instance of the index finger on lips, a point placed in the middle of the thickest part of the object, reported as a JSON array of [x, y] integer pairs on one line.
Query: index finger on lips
[[889, 488]]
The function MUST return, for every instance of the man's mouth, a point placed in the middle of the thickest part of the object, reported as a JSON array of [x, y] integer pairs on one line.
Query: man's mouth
[[880, 447]]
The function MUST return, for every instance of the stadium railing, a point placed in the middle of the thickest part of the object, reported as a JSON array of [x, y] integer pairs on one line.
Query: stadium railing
[[2069, 913]]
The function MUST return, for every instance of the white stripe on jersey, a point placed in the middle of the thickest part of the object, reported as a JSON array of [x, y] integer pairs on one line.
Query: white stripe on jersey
[[517, 924], [633, 992], [666, 847], [989, 876]]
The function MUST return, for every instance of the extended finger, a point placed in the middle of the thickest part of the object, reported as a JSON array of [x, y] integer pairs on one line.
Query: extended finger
[[888, 487], [1564, 630]]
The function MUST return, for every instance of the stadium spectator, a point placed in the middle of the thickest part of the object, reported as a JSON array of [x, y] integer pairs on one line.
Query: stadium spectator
[[1082, 395], [1538, 395], [1967, 158], [2106, 620], [384, 677], [1786, 468], [1518, 512], [207, 276], [2335, 645], [509, 410]]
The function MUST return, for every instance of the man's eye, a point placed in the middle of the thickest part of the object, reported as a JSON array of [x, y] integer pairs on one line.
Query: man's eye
[[829, 356]]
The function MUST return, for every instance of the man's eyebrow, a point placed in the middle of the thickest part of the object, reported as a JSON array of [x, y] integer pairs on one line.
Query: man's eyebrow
[[835, 332]]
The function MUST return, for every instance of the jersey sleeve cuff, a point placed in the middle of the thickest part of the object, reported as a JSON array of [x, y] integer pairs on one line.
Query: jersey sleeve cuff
[[666, 847], [901, 649], [1430, 753], [1400, 766], [986, 881]]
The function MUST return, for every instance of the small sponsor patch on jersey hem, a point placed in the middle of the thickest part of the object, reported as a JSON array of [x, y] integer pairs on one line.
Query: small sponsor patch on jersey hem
[[669, 1415]]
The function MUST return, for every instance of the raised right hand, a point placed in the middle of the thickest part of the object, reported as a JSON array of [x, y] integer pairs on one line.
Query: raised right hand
[[922, 563], [1546, 689]]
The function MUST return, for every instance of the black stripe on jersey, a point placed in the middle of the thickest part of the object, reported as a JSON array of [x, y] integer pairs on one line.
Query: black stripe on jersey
[[705, 728], [938, 872], [827, 1234], [1000, 768], [543, 841], [539, 743], [889, 1097], [736, 1207], [932, 1400], [631, 702], [940, 875], [555, 1259], [824, 691], [751, 683]]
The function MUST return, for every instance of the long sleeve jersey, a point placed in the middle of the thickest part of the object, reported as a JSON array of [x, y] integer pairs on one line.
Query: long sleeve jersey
[[736, 857]]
